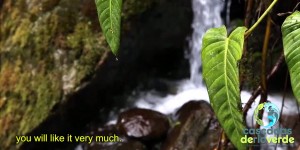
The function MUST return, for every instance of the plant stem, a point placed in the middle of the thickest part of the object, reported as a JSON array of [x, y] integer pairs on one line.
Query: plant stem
[[248, 32], [247, 20], [258, 90], [219, 146], [282, 104], [248, 16], [264, 92], [264, 59]]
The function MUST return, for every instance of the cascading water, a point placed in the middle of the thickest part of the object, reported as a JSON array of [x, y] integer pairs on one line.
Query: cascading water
[[207, 14]]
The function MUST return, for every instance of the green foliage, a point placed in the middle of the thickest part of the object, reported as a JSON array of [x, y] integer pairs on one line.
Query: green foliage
[[35, 56], [220, 56], [109, 14], [256, 115], [291, 43]]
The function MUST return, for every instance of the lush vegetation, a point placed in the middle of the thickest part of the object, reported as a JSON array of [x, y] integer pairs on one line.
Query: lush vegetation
[[220, 57]]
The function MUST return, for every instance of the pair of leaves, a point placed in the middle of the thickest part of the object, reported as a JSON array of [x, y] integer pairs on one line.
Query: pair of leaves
[[109, 14], [220, 55]]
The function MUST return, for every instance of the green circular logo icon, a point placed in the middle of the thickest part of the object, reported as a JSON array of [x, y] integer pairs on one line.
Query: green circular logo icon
[[273, 114]]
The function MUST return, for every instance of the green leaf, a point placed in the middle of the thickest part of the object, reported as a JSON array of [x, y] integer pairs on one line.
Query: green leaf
[[256, 118], [291, 44], [220, 57], [261, 106], [109, 14]]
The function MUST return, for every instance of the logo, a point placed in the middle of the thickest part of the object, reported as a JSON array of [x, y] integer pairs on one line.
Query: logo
[[266, 134], [273, 114]]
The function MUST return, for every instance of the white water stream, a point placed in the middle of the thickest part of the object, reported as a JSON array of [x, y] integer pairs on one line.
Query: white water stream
[[206, 15]]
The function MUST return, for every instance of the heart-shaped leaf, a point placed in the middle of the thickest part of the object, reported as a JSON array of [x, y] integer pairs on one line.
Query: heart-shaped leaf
[[291, 43], [220, 55]]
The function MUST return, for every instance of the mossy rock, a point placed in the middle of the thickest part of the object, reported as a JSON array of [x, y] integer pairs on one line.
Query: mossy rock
[[47, 49]]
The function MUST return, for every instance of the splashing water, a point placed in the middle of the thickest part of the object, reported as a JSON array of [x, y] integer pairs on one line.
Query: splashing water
[[207, 14]]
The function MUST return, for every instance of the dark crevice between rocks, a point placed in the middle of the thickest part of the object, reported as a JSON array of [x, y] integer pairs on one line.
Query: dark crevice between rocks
[[82, 107], [152, 46], [1, 3]]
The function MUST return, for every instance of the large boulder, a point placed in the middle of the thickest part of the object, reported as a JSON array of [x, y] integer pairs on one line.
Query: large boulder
[[143, 124], [197, 128], [47, 48], [124, 142], [56, 68]]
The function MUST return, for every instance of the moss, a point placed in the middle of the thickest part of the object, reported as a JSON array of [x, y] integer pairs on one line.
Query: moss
[[29, 98], [40, 55], [83, 42], [22, 31], [40, 6], [47, 48]]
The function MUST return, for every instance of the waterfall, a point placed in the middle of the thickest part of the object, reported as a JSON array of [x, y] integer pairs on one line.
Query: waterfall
[[207, 14]]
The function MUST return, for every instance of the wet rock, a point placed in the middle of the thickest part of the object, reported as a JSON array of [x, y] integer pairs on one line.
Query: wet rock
[[124, 143], [105, 131], [127, 145], [143, 124], [190, 107], [58, 47], [157, 38], [197, 128]]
